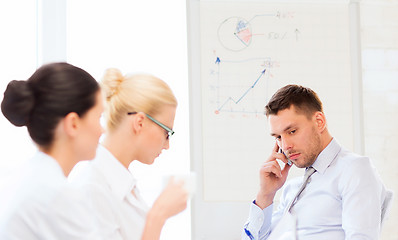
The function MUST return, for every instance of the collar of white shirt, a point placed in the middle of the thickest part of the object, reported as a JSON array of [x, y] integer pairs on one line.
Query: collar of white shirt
[[51, 165], [326, 157], [119, 178]]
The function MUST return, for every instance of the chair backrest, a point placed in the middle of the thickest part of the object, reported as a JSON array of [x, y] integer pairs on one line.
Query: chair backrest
[[386, 205]]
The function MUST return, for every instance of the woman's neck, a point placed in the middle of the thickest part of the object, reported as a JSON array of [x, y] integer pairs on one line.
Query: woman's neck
[[63, 157], [120, 147]]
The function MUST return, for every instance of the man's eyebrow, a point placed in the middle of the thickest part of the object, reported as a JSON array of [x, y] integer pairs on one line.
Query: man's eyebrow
[[284, 130]]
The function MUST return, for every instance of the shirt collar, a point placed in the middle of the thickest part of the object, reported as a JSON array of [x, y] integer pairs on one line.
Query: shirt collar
[[119, 179], [326, 157], [45, 163]]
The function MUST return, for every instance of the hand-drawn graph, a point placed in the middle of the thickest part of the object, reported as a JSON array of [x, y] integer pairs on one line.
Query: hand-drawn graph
[[234, 33], [240, 85], [231, 100], [234, 93]]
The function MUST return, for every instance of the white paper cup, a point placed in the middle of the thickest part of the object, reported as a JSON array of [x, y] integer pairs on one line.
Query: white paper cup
[[188, 179]]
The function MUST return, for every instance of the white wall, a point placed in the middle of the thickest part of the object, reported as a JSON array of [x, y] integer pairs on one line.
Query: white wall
[[379, 33]]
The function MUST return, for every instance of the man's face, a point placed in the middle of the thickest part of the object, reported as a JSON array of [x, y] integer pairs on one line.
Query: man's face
[[297, 135]]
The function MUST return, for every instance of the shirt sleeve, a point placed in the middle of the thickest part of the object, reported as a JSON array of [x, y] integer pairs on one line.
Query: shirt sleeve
[[362, 197], [258, 224]]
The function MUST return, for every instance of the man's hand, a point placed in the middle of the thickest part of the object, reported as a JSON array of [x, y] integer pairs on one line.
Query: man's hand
[[272, 178]]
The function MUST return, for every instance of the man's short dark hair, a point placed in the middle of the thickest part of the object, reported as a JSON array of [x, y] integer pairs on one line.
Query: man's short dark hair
[[304, 99]]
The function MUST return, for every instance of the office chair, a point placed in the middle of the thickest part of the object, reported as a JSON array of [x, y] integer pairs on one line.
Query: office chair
[[386, 206]]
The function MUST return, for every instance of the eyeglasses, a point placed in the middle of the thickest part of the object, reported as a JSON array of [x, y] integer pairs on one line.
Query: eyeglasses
[[169, 131]]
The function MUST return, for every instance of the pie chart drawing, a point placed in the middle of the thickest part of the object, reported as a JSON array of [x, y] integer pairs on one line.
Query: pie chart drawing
[[235, 34]]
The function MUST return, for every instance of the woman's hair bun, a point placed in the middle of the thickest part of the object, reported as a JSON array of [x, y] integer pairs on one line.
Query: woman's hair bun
[[111, 82], [18, 102]]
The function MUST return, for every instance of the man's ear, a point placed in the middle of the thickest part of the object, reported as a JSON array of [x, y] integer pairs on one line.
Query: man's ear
[[138, 122], [71, 124], [320, 120]]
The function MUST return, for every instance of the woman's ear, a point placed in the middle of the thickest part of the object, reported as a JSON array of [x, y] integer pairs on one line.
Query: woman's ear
[[320, 120], [71, 124], [138, 122]]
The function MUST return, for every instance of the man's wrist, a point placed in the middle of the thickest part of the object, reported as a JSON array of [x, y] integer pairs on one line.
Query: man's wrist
[[263, 201]]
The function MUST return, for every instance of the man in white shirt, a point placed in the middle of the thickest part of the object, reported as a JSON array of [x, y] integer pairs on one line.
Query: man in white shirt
[[342, 195]]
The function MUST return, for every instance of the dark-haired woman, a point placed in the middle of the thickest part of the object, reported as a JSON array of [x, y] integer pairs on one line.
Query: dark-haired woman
[[60, 105]]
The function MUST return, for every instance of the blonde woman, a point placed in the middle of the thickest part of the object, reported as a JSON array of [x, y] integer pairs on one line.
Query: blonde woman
[[139, 113]]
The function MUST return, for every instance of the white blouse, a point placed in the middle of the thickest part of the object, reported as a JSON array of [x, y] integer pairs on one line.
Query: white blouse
[[37, 202], [109, 184]]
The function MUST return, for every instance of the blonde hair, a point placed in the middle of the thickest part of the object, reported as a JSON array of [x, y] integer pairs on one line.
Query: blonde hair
[[133, 93]]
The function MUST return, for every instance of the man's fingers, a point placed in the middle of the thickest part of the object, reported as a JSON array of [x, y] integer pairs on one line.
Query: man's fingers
[[276, 147], [286, 169], [272, 167]]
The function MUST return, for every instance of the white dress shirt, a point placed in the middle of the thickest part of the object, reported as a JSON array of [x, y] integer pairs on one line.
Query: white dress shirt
[[109, 185], [342, 201], [37, 202]]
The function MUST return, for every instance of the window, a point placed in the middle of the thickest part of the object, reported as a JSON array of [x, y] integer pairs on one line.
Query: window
[[139, 36], [18, 58]]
